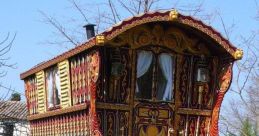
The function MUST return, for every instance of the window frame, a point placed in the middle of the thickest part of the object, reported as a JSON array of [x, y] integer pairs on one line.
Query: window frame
[[57, 106], [156, 51]]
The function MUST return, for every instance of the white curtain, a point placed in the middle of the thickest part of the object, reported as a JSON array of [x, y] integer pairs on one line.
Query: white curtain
[[166, 62], [50, 89], [57, 81], [143, 63], [53, 86]]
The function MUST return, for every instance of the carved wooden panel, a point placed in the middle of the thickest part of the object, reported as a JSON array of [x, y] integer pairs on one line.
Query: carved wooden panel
[[123, 123], [181, 125], [100, 97], [154, 118], [76, 123], [194, 125], [161, 35], [101, 119], [225, 77], [184, 80], [113, 122], [101, 81], [125, 79], [189, 87], [117, 75], [79, 79], [31, 94]]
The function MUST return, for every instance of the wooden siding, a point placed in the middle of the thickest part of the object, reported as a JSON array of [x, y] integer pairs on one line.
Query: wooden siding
[[41, 91], [63, 69]]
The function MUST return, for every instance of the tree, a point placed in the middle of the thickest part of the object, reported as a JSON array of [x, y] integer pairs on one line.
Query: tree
[[5, 46], [106, 13], [247, 128], [7, 126], [8, 129], [15, 97], [244, 106]]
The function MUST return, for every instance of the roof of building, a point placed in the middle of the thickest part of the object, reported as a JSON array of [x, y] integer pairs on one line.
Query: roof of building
[[13, 110], [129, 23]]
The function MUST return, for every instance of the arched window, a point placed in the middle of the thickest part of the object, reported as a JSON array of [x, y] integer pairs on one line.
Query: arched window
[[154, 75]]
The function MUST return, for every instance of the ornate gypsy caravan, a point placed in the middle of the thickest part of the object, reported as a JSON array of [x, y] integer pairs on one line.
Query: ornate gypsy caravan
[[156, 74]]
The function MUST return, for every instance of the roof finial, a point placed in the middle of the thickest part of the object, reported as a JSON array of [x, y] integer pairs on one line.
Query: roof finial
[[173, 15], [238, 54]]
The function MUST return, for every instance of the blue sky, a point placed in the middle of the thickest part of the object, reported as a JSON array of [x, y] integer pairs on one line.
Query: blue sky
[[30, 48], [23, 18]]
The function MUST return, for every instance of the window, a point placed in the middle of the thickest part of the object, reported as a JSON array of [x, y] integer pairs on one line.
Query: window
[[53, 88], [154, 76]]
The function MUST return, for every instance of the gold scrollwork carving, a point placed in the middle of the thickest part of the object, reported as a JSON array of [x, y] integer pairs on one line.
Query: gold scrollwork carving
[[100, 39], [141, 37], [157, 35], [174, 38], [120, 40]]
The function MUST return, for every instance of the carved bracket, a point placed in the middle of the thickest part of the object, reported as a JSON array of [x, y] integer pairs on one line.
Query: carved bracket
[[224, 84]]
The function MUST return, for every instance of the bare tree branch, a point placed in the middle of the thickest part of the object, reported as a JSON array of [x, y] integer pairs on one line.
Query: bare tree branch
[[79, 9], [126, 7], [59, 27], [113, 11]]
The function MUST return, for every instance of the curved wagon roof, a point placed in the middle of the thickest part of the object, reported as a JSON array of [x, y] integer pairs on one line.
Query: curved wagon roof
[[158, 16]]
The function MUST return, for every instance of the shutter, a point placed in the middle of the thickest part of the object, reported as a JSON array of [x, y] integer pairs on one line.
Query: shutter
[[41, 91], [63, 69]]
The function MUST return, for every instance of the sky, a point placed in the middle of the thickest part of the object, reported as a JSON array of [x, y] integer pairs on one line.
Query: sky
[[29, 48], [30, 45]]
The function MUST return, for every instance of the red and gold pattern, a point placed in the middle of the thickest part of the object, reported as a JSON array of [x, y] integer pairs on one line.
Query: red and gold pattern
[[152, 119], [67, 124], [79, 79], [31, 95], [71, 123], [225, 80], [94, 66]]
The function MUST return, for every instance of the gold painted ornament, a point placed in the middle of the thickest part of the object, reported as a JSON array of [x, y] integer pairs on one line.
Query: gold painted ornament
[[173, 15]]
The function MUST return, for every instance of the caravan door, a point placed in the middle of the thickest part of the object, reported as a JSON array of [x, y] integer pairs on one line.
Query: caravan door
[[154, 87]]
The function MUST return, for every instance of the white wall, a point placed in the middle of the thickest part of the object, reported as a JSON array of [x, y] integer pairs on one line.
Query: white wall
[[20, 129]]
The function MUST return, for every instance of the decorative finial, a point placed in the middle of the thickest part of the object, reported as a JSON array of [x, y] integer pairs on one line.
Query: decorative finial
[[238, 54], [173, 15], [100, 39]]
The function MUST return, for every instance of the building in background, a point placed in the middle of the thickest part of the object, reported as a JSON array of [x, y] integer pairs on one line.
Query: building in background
[[13, 118], [159, 73]]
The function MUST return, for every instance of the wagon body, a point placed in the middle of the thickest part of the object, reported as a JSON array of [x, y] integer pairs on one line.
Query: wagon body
[[159, 73]]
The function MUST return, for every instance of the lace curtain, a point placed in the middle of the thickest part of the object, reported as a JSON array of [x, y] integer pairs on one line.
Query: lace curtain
[[166, 63], [143, 63], [53, 87]]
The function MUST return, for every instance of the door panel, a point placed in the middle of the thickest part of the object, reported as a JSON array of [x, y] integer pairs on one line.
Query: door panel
[[152, 119], [113, 122]]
